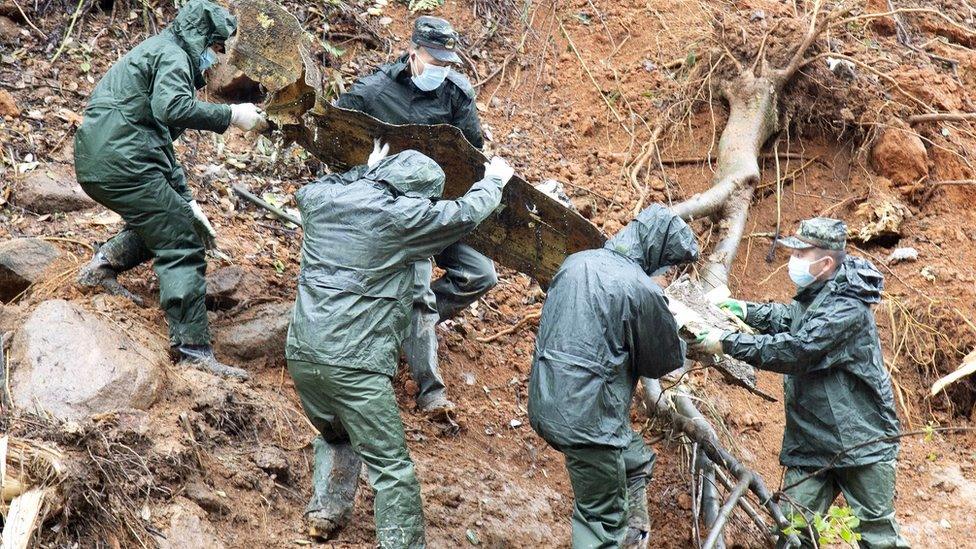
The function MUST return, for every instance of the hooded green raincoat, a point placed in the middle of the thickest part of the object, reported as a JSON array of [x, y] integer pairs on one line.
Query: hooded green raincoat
[[360, 242], [604, 324], [837, 391], [124, 159]]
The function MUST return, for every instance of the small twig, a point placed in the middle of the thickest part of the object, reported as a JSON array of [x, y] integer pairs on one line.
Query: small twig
[[942, 117], [29, 22], [525, 320], [254, 199], [67, 34], [572, 46], [954, 182]]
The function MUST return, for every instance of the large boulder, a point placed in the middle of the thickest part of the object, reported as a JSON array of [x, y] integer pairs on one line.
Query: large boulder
[[260, 331], [189, 528], [899, 154], [51, 190], [22, 263], [72, 363]]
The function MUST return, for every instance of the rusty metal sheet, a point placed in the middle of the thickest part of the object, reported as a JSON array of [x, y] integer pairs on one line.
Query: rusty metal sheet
[[530, 232]]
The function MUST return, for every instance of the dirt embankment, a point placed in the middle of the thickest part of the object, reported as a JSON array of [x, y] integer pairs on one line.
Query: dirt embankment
[[572, 98]]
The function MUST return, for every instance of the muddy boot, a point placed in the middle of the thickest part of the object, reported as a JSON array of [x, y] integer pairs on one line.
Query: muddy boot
[[202, 358], [437, 407], [99, 273], [335, 480]]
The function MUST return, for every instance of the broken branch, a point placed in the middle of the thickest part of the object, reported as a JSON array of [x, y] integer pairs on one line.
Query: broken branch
[[257, 201], [726, 510]]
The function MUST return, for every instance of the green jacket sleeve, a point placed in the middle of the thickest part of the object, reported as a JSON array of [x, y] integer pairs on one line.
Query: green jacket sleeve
[[428, 227], [802, 352], [174, 103], [769, 318], [466, 119], [655, 344]]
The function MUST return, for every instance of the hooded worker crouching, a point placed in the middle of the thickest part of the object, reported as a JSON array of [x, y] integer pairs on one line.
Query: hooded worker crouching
[[124, 160], [605, 323], [363, 231]]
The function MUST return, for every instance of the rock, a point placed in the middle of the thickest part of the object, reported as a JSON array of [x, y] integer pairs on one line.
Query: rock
[[900, 255], [272, 460], [206, 498], [899, 154], [9, 31], [72, 363], [228, 286], [10, 317], [22, 263], [8, 107], [260, 331], [50, 191], [190, 529]]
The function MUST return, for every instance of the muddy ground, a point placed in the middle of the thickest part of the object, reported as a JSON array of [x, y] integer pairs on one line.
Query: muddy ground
[[495, 483]]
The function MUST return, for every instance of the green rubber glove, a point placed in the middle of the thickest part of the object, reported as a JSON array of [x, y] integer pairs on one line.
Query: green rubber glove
[[734, 306], [708, 343]]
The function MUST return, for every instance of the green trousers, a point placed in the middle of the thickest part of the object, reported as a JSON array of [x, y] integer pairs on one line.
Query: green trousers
[[869, 491], [160, 221], [609, 492], [349, 404]]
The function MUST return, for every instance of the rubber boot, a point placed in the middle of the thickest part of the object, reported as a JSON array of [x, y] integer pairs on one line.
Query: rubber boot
[[99, 273], [335, 479], [202, 358]]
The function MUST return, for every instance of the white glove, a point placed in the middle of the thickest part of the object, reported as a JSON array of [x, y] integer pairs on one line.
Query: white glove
[[247, 117], [379, 152], [204, 228], [499, 168]]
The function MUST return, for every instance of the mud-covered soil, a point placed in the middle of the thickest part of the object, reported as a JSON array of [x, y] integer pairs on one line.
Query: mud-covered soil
[[494, 482]]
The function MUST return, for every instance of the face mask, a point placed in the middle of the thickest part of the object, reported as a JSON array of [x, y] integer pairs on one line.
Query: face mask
[[432, 77], [207, 59], [800, 271]]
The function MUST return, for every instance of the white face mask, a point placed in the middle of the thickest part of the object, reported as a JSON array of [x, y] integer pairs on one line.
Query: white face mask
[[431, 78], [800, 271]]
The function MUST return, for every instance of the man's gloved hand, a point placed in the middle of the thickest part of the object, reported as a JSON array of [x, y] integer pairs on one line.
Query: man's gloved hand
[[247, 117], [379, 152], [734, 306], [708, 343], [499, 168], [203, 226]]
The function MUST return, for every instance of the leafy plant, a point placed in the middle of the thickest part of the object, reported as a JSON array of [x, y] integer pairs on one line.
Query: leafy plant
[[838, 525], [425, 5]]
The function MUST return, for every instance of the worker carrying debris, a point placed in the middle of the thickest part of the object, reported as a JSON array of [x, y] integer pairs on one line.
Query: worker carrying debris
[[605, 323], [124, 159], [837, 392], [364, 230], [421, 88]]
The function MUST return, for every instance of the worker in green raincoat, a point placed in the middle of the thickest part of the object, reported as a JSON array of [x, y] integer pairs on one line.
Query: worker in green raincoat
[[421, 88], [605, 323], [837, 392], [124, 159], [364, 230]]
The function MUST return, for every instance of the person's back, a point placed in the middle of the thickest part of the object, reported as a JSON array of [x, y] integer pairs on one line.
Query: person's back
[[604, 324]]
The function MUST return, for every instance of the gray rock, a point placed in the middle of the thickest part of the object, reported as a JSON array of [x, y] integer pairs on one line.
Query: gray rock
[[229, 286], [259, 331], [206, 498], [51, 190], [272, 460], [190, 529], [22, 263], [72, 363]]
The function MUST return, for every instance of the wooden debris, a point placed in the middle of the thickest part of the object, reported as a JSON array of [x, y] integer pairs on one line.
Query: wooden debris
[[967, 367]]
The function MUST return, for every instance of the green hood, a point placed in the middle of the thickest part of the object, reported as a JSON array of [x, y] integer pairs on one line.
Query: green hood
[[199, 25], [656, 239], [411, 173]]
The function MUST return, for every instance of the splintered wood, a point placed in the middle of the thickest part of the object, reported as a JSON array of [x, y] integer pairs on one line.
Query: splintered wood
[[696, 314], [30, 476]]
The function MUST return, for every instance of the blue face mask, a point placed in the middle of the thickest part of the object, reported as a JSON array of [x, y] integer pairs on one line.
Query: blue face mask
[[207, 59], [432, 77], [800, 271]]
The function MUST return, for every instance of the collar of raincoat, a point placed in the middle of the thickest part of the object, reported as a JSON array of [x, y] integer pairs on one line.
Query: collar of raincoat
[[411, 173], [656, 239], [199, 25], [856, 277]]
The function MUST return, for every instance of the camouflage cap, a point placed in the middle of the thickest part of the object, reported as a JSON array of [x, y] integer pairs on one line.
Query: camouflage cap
[[820, 232], [437, 36]]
